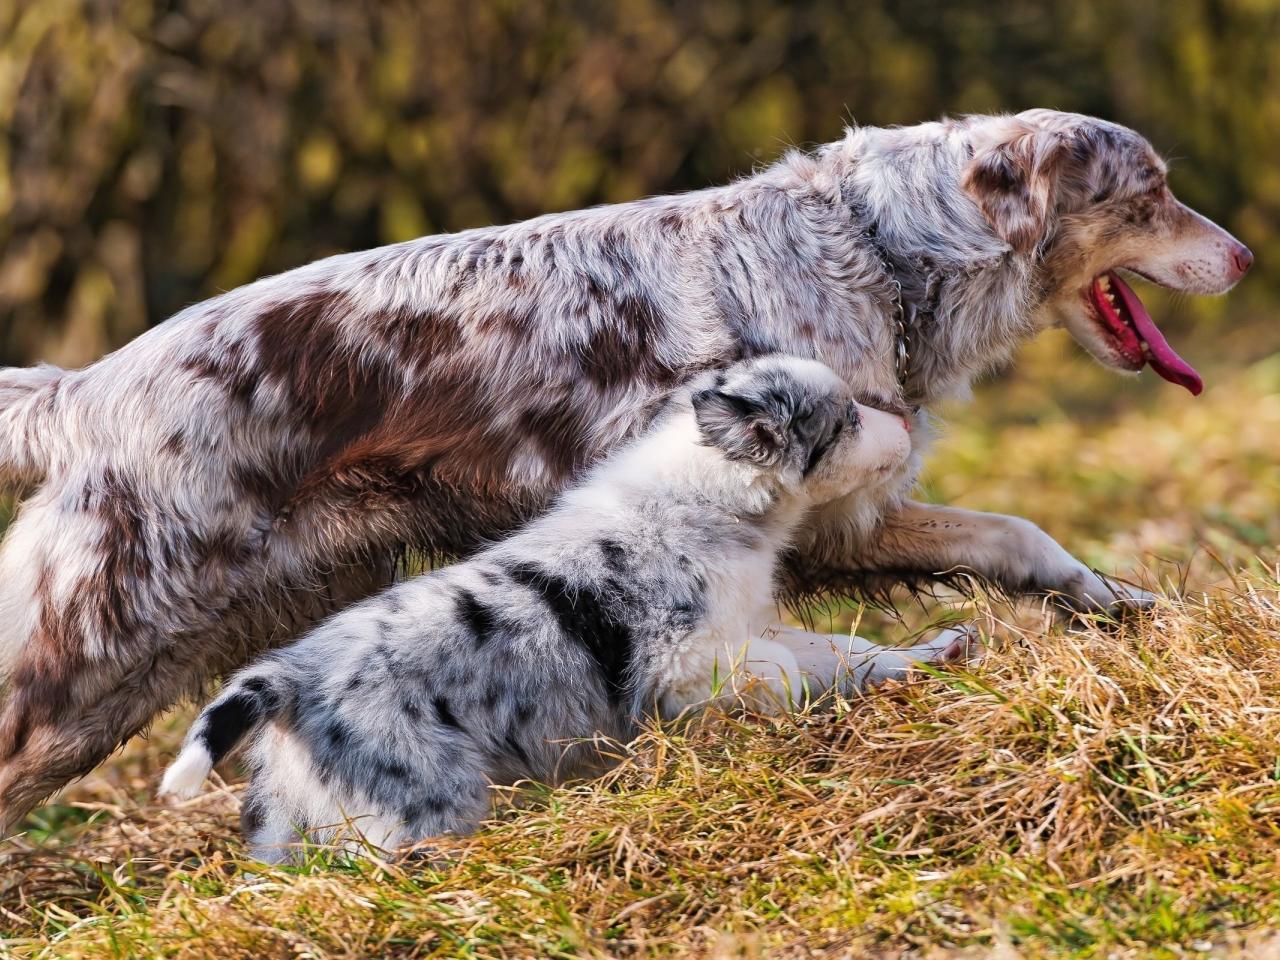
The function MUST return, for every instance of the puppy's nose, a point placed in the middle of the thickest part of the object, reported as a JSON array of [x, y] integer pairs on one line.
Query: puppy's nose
[[1242, 257]]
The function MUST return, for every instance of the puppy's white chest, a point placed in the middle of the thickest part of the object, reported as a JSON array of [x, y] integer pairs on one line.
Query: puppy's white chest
[[738, 599]]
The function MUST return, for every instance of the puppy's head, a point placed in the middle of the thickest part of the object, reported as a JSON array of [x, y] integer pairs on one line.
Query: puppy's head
[[1086, 198], [797, 421]]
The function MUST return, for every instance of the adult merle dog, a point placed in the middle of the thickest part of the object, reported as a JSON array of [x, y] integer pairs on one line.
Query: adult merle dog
[[262, 458]]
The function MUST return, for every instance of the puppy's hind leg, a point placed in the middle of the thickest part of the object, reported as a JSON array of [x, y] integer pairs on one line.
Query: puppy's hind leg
[[364, 793], [268, 831], [257, 827]]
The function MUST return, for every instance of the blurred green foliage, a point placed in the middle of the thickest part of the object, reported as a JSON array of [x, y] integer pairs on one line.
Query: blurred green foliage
[[157, 152]]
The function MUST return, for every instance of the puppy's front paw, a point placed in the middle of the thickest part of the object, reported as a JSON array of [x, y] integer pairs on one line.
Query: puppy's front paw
[[961, 644], [953, 645]]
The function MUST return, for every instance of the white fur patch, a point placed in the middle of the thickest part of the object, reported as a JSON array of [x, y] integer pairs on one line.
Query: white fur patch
[[187, 774]]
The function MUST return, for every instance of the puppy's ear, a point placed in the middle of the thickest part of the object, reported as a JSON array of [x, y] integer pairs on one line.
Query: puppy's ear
[[744, 429], [1014, 181]]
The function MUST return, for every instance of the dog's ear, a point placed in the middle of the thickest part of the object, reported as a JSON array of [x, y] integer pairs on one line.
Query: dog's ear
[[1014, 181], [749, 429]]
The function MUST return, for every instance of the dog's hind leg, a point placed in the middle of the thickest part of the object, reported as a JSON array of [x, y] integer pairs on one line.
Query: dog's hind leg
[[56, 726], [101, 640], [66, 712]]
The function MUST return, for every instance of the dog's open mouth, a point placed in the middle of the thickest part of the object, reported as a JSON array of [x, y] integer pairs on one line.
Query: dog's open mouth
[[1133, 334]]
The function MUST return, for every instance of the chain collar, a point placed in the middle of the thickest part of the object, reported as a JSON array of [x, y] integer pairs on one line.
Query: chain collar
[[897, 313], [902, 324]]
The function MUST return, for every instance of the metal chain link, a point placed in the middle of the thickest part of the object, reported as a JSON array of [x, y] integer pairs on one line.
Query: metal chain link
[[901, 331], [901, 347], [901, 341]]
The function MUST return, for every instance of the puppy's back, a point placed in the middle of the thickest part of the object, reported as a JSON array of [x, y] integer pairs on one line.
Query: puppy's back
[[404, 709]]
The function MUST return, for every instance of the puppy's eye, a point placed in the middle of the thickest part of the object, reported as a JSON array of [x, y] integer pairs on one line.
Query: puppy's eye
[[822, 446]]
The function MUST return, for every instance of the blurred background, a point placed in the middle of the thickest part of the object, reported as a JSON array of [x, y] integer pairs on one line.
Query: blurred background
[[158, 152]]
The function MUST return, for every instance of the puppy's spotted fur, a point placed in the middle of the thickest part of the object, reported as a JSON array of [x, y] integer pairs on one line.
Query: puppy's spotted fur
[[630, 595]]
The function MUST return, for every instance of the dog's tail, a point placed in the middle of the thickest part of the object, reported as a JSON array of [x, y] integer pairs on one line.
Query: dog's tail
[[26, 399], [248, 701]]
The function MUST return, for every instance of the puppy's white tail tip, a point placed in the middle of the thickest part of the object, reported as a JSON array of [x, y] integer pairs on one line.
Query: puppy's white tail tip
[[187, 774]]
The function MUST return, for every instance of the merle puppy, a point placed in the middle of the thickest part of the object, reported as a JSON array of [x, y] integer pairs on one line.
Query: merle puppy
[[259, 461], [637, 589]]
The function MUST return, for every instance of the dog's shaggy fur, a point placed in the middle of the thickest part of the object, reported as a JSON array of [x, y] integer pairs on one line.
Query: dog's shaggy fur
[[260, 459], [636, 592]]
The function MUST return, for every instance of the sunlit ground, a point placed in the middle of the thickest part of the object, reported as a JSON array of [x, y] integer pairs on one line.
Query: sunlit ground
[[1086, 793]]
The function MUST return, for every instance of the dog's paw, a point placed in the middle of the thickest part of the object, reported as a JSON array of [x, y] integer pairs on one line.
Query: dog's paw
[[1094, 598]]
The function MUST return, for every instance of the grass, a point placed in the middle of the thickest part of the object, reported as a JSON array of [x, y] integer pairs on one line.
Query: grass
[[1081, 793]]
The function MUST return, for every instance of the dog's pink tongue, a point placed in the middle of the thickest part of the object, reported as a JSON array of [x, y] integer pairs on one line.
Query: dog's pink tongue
[[1162, 357]]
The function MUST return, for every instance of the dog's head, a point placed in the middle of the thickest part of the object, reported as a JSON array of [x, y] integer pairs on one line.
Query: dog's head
[[796, 420], [1087, 199]]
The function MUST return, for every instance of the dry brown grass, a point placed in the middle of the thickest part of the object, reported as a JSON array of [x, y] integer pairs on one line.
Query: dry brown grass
[[1081, 789], [1080, 793]]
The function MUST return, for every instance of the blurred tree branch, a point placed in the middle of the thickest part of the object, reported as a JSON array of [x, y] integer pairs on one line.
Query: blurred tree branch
[[157, 152]]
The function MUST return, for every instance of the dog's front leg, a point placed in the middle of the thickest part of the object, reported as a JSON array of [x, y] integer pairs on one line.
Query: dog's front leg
[[922, 542]]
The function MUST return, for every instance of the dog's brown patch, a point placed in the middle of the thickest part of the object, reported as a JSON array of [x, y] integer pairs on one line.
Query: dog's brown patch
[[624, 346]]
